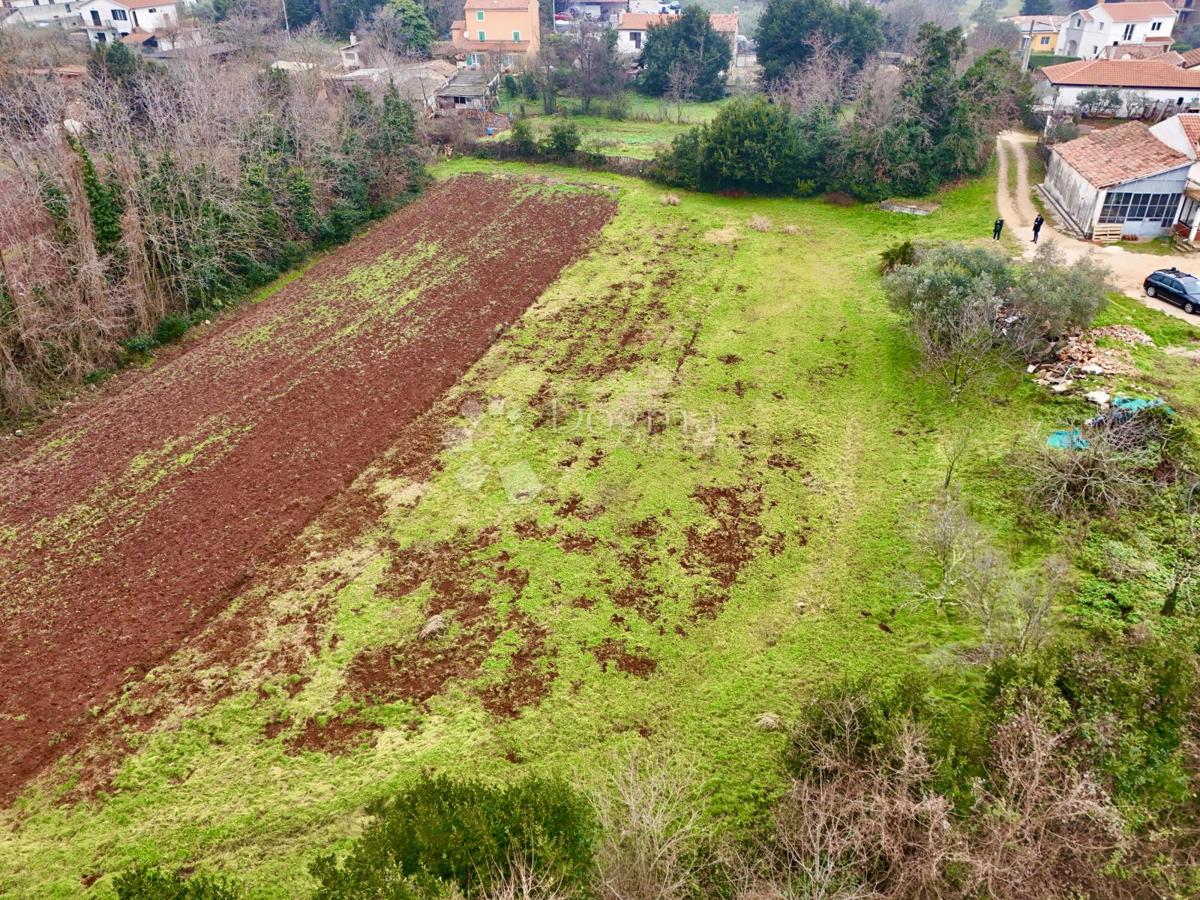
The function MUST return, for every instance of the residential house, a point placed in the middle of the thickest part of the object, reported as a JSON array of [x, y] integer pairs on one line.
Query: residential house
[[498, 34], [1117, 182], [633, 27], [1182, 134], [1086, 31], [469, 91], [1161, 52], [726, 25], [1042, 31], [418, 81], [1138, 80], [40, 13], [110, 20]]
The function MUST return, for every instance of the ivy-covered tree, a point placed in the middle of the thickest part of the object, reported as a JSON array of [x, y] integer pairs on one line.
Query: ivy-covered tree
[[689, 43], [105, 203], [787, 28]]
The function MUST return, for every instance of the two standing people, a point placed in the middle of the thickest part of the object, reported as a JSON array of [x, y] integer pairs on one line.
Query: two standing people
[[998, 227]]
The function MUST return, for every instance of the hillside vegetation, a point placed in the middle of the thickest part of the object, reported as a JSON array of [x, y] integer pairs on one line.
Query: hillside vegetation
[[680, 498]]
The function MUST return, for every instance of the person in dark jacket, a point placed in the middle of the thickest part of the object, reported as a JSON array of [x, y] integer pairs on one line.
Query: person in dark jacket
[[997, 228], [1037, 226]]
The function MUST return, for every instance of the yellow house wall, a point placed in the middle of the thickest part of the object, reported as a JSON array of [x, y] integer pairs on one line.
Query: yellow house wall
[[499, 25]]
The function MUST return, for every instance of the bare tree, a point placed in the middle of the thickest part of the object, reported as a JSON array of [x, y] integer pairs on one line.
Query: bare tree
[[681, 84], [649, 828], [824, 81], [1042, 828]]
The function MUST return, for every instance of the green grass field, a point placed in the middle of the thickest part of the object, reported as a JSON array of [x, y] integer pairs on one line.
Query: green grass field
[[649, 125], [788, 391]]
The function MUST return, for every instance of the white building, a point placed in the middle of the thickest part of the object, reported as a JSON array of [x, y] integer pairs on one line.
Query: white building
[[40, 13], [1182, 134], [632, 29], [110, 20], [1140, 81], [1118, 182], [1087, 31]]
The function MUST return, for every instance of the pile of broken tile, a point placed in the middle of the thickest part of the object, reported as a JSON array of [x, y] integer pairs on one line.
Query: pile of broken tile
[[1078, 357]]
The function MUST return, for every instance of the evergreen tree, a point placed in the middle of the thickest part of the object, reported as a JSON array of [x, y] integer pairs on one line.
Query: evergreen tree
[[1036, 7], [787, 26], [687, 41], [415, 30]]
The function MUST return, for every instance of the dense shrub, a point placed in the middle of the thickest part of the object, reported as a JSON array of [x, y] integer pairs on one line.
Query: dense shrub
[[562, 140], [751, 145], [899, 254], [969, 308], [521, 137], [1125, 701], [442, 833], [152, 883]]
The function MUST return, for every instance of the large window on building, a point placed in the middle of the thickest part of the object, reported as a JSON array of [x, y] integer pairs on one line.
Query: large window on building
[[1125, 206]]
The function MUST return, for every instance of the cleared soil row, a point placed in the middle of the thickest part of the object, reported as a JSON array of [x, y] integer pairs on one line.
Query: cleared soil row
[[126, 528]]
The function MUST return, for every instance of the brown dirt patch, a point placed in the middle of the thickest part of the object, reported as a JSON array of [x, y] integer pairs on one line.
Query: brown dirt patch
[[340, 734], [722, 549], [617, 654], [143, 513]]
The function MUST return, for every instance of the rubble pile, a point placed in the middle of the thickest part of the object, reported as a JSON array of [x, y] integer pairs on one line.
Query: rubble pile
[[1078, 356]]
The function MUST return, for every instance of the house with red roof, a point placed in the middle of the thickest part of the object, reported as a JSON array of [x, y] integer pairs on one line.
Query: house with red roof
[[500, 34], [108, 21], [1139, 82], [634, 26], [1123, 182], [1086, 32]]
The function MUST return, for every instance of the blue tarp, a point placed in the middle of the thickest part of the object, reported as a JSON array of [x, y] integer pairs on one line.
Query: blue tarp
[[1067, 439]]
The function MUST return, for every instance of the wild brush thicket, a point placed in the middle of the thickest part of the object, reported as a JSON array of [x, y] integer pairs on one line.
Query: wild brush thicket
[[149, 192]]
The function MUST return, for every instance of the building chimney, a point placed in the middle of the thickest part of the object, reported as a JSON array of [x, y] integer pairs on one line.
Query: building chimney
[[353, 39]]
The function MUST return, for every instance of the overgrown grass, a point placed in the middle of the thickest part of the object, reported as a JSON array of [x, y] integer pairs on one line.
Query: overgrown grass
[[801, 394], [649, 123]]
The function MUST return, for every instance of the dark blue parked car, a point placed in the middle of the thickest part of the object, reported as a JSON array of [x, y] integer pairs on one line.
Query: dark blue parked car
[[1175, 287]]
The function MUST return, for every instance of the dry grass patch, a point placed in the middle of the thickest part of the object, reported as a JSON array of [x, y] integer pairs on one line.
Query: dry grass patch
[[761, 223]]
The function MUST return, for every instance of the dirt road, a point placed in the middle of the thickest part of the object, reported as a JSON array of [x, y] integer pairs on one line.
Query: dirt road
[[133, 521], [1128, 269]]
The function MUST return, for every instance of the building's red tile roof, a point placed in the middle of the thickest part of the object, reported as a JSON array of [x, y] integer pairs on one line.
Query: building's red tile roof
[[1111, 156], [642, 21], [1133, 73], [1191, 58], [1138, 12], [724, 22], [473, 5], [1190, 122]]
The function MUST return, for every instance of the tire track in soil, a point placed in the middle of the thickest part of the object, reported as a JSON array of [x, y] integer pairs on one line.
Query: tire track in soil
[[106, 573]]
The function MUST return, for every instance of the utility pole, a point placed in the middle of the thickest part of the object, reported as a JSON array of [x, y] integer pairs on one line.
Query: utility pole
[[286, 26], [1027, 41]]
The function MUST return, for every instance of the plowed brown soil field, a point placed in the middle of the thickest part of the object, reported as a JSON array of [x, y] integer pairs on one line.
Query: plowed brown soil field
[[131, 522]]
